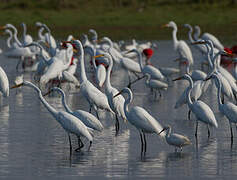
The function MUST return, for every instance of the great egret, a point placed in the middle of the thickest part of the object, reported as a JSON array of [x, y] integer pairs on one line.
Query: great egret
[[87, 118], [18, 51], [27, 39], [228, 108], [94, 96], [180, 46], [141, 119], [174, 139], [201, 110], [200, 47], [207, 36], [70, 123], [154, 72], [227, 80], [47, 38], [155, 84], [60, 62], [100, 72], [117, 103]]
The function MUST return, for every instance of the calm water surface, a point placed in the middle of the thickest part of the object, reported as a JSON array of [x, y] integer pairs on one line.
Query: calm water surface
[[33, 144]]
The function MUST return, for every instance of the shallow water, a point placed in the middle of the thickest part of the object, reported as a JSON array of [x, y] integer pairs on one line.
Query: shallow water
[[33, 144]]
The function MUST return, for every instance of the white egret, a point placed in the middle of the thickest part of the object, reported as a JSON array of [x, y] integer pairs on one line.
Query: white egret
[[128, 64], [18, 51], [87, 118], [207, 36], [200, 47], [154, 72], [60, 62], [117, 103], [201, 110], [141, 119], [155, 84], [180, 46], [70, 123], [100, 72], [27, 39], [47, 38], [228, 108], [94, 96], [228, 86], [174, 139]]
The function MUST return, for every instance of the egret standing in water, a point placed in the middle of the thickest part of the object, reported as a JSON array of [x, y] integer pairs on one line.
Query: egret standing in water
[[228, 108], [115, 103], [70, 123], [94, 96], [201, 110], [181, 47], [141, 119], [87, 118], [174, 139]]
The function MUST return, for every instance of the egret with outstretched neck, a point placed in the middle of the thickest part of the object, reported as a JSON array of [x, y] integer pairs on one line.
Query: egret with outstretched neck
[[87, 118], [70, 123]]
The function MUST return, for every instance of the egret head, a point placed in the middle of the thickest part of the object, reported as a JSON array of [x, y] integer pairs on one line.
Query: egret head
[[170, 24], [188, 26], [38, 24]]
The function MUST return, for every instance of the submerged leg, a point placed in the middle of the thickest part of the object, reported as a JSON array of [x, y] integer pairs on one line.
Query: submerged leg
[[144, 137], [70, 142], [196, 129], [80, 144], [231, 132], [208, 131], [159, 93], [116, 124], [142, 144]]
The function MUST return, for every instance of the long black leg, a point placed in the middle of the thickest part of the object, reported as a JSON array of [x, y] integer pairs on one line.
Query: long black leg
[[189, 114], [208, 131], [231, 132], [144, 137], [70, 142], [196, 129], [142, 144], [116, 124]]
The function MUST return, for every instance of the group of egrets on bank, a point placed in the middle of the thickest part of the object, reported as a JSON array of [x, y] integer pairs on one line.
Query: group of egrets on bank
[[58, 63]]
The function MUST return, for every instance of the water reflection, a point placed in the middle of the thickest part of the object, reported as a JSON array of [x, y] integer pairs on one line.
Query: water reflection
[[33, 144]]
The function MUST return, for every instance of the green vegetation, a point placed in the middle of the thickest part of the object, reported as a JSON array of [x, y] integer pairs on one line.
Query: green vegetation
[[123, 19]]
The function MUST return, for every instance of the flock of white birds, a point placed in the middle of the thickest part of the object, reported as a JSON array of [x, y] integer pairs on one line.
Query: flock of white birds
[[54, 63]]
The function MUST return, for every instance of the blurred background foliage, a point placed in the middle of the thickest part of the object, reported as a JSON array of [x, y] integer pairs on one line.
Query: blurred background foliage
[[124, 19], [79, 4]]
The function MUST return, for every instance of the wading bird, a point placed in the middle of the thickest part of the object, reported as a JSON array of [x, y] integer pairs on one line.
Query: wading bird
[[176, 140], [180, 46], [141, 119], [70, 123], [87, 118], [201, 110]]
